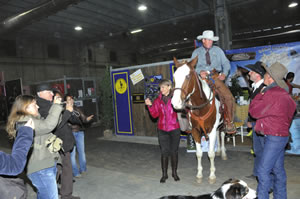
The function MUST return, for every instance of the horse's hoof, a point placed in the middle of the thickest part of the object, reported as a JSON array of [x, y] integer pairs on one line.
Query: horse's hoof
[[224, 157], [199, 180], [218, 153], [212, 180]]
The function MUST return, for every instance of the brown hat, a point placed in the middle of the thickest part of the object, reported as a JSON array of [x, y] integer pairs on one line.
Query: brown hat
[[277, 71]]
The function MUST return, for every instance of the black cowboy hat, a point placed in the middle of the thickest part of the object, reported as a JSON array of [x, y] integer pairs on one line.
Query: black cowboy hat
[[258, 67]]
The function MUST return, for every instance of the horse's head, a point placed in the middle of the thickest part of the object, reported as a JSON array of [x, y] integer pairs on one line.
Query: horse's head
[[183, 78]]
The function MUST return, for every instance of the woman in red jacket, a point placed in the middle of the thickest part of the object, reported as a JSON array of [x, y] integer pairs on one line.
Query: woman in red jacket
[[168, 128]]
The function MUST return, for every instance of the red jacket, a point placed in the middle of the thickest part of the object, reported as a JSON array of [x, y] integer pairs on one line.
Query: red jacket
[[167, 117], [274, 111]]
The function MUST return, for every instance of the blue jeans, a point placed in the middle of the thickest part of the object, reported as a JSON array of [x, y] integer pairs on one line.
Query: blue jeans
[[79, 147], [45, 182], [272, 161], [258, 147]]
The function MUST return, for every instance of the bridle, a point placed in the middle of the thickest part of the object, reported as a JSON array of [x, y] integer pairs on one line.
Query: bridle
[[188, 95]]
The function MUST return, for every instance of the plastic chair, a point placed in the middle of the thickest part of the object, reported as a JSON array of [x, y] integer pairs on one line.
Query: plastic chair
[[241, 113]]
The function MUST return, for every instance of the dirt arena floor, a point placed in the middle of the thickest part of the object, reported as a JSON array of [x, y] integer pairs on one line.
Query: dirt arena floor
[[129, 168]]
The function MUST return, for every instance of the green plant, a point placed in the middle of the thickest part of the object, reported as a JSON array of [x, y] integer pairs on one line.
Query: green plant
[[235, 87], [107, 116]]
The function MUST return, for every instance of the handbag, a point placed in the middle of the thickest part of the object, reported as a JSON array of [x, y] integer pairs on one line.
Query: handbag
[[54, 143], [12, 188]]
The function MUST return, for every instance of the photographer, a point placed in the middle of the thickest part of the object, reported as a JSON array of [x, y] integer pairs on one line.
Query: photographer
[[41, 167], [64, 132]]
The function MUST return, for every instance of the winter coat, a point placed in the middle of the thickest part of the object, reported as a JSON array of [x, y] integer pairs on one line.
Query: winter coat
[[274, 111], [167, 117], [64, 131], [40, 157], [14, 163]]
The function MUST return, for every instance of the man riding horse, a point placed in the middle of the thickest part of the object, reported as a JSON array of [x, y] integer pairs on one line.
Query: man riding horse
[[212, 57]]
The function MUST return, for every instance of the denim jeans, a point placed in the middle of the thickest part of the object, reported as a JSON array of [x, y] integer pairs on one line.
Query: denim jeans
[[79, 147], [169, 141], [45, 182], [258, 147], [272, 161]]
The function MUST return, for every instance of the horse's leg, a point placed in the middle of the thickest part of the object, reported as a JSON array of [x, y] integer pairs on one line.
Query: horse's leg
[[199, 154], [218, 152], [223, 155], [211, 155]]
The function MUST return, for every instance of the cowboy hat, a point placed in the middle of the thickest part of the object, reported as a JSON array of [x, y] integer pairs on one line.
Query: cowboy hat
[[257, 67], [277, 71], [208, 34]]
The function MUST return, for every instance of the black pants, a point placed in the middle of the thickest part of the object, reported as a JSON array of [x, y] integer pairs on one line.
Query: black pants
[[169, 141]]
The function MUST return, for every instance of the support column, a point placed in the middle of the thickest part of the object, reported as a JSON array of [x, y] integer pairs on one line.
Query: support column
[[222, 24]]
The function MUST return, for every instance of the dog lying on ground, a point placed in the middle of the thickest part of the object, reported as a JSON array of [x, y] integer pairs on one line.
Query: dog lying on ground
[[230, 189]]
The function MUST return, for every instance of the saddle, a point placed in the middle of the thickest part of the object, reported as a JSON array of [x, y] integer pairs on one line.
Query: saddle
[[227, 100]]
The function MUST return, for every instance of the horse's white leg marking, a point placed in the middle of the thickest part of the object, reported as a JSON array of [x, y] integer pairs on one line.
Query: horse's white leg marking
[[218, 152], [211, 154], [223, 155], [199, 154]]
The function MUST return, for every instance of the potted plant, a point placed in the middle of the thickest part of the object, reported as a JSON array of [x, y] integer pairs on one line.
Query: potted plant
[[107, 116]]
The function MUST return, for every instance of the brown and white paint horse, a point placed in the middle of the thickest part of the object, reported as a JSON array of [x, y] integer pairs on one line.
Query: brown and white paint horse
[[194, 94]]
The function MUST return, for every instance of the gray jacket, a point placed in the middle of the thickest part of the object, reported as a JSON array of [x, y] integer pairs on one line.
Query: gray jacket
[[40, 157]]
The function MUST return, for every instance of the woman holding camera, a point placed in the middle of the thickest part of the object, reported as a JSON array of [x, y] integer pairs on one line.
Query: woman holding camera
[[41, 167], [168, 128]]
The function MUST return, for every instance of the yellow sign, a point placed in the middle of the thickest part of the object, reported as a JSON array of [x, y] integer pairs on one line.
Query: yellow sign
[[121, 86]]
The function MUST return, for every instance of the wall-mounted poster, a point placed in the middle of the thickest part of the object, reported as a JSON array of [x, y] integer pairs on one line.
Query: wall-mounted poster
[[152, 86], [287, 54]]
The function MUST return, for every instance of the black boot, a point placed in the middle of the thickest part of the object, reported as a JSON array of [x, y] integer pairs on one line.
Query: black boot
[[164, 167], [174, 163]]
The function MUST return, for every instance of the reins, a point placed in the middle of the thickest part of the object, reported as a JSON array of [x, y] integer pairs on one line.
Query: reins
[[187, 98]]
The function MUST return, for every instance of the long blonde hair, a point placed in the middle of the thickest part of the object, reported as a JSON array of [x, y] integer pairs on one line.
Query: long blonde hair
[[18, 110]]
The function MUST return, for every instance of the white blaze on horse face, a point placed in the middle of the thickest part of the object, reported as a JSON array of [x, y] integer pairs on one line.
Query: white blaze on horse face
[[179, 77]]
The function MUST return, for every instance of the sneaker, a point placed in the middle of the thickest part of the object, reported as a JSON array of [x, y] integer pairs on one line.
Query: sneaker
[[78, 176]]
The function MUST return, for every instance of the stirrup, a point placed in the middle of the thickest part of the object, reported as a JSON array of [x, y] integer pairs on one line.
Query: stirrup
[[230, 128]]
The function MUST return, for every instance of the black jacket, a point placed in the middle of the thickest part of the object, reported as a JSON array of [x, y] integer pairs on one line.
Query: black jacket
[[64, 130], [252, 95]]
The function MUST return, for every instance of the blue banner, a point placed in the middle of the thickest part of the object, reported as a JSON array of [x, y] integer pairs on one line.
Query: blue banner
[[122, 102], [287, 54], [295, 135]]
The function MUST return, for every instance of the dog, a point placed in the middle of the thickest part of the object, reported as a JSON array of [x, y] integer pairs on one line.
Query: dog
[[230, 189]]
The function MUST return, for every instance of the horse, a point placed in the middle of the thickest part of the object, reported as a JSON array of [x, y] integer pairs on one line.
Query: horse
[[194, 94]]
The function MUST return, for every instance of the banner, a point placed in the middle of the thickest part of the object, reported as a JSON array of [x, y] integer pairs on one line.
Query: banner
[[287, 54], [122, 102]]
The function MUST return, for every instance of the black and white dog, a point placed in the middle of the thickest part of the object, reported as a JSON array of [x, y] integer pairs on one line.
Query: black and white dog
[[230, 189]]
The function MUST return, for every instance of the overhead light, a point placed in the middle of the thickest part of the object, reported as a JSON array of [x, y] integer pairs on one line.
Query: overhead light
[[78, 28], [174, 49], [293, 4], [142, 7], [136, 31], [185, 39]]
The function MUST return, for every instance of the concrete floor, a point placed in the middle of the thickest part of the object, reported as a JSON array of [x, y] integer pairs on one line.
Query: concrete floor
[[129, 168]]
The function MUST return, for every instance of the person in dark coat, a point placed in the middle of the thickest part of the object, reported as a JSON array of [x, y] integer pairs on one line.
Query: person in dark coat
[[78, 132], [256, 73], [64, 132]]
